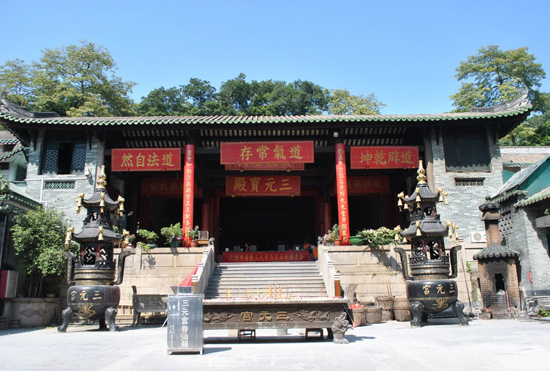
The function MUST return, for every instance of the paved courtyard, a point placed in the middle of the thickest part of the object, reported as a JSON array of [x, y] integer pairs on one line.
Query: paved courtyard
[[483, 345]]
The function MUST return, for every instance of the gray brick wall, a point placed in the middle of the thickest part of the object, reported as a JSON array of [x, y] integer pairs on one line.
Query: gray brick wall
[[62, 199], [464, 200]]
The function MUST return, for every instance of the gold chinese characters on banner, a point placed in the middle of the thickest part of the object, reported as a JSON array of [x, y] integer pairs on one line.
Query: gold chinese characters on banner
[[262, 185], [146, 159], [402, 157]]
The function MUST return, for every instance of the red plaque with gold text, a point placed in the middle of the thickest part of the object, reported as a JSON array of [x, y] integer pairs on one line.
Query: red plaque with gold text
[[267, 152], [146, 159], [403, 157], [262, 185]]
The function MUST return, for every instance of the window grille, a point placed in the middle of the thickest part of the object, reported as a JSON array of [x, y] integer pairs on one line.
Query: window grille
[[465, 182], [466, 151], [61, 184]]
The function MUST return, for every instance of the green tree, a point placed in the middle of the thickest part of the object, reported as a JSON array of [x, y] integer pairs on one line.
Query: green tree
[[298, 98], [164, 102], [341, 102], [38, 238], [237, 97], [534, 131], [72, 81], [494, 76], [203, 99], [16, 82]]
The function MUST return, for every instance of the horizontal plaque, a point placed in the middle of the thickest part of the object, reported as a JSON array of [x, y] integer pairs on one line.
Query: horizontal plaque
[[359, 185], [267, 152], [262, 185], [163, 186], [390, 157], [146, 159]]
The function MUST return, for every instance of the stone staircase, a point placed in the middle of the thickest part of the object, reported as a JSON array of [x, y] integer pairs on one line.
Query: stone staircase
[[274, 280]]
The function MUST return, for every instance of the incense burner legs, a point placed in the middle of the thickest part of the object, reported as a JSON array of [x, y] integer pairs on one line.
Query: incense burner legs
[[95, 302], [431, 297]]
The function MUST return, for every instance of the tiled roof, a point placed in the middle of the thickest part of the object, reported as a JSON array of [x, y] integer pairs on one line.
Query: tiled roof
[[17, 149], [496, 251], [518, 178], [228, 120], [507, 195], [537, 197]]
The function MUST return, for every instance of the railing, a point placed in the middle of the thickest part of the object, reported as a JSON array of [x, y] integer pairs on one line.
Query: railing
[[205, 268], [330, 276]]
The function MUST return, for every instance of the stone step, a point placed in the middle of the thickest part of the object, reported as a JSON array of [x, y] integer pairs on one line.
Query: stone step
[[294, 279]]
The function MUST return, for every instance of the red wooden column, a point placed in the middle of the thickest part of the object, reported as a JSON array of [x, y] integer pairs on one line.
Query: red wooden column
[[188, 190], [342, 192]]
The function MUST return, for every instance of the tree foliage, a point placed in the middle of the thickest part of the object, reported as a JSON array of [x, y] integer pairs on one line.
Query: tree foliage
[[81, 81], [38, 238], [72, 81], [494, 76], [256, 98], [534, 131], [16, 82], [341, 102]]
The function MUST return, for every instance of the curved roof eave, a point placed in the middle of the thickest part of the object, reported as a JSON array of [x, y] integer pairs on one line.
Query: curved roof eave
[[255, 120]]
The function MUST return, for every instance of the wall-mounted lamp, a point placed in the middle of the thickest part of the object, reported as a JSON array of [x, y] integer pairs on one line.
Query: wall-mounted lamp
[[89, 173]]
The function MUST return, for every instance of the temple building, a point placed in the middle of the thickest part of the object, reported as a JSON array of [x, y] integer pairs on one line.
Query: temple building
[[268, 183]]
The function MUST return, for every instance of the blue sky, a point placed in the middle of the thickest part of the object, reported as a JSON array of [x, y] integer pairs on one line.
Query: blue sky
[[405, 52]]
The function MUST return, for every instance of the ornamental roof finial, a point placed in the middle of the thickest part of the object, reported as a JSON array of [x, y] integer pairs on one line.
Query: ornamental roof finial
[[421, 173], [102, 178]]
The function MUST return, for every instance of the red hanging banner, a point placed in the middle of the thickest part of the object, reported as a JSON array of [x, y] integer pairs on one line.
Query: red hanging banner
[[342, 192], [403, 157], [266, 152], [188, 189], [146, 159], [262, 185]]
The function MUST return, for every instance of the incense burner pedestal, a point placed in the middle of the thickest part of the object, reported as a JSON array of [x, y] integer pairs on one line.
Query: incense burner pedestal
[[432, 297]]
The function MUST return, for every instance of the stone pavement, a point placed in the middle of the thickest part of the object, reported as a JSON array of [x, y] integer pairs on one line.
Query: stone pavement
[[444, 345]]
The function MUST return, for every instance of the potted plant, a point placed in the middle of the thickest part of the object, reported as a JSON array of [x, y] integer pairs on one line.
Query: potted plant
[[332, 236], [173, 234], [150, 238], [375, 237], [193, 235]]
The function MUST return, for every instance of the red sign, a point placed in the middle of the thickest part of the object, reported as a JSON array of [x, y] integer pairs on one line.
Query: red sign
[[342, 192], [146, 159], [404, 157], [188, 189], [162, 187], [266, 152], [262, 185], [266, 166], [268, 256], [360, 185]]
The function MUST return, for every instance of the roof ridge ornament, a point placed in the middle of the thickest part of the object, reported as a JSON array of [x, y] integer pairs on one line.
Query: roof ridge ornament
[[9, 107], [519, 102]]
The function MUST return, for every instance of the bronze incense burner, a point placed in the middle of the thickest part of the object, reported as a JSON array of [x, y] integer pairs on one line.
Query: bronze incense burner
[[95, 295], [430, 287]]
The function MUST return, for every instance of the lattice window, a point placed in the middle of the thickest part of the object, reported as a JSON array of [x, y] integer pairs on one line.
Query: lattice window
[[466, 182], [61, 184], [79, 158], [466, 150], [64, 157]]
